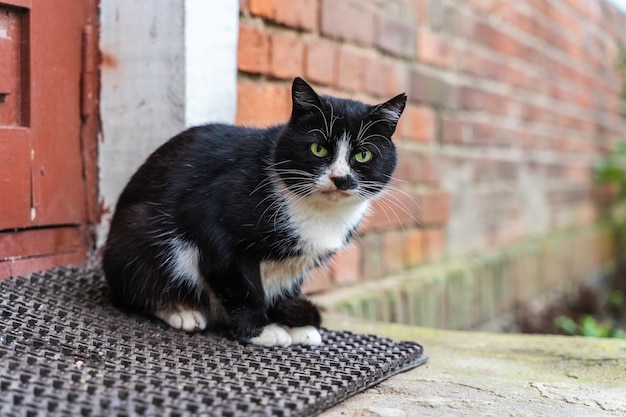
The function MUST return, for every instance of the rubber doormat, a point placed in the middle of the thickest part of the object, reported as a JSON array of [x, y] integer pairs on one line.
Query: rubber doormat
[[66, 351]]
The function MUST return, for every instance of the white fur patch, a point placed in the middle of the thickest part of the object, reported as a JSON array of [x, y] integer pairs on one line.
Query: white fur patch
[[184, 263], [323, 227], [279, 277], [272, 335], [340, 166], [306, 335], [187, 320]]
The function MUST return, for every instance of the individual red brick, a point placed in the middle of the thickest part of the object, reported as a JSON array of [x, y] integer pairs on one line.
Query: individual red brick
[[318, 280], [418, 123], [413, 249], [372, 258], [384, 78], [351, 70], [416, 167], [453, 131], [396, 37], [287, 56], [347, 264], [375, 77], [253, 51], [393, 252], [434, 241], [321, 63], [433, 49], [300, 14], [263, 8], [395, 78], [498, 40], [361, 26], [435, 208], [262, 104]]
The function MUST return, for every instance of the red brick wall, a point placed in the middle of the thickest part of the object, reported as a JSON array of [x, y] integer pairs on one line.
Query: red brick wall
[[510, 103]]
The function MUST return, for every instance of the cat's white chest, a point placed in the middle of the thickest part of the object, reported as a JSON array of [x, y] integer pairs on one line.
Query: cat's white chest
[[323, 231], [320, 232]]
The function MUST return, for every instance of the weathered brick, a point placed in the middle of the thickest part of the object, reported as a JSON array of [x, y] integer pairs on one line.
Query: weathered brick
[[372, 266], [254, 50], [300, 14], [433, 49], [413, 248], [435, 208], [418, 123], [393, 252], [434, 241], [318, 280], [384, 78], [263, 8], [425, 88], [287, 56], [361, 26], [453, 131], [321, 63], [347, 265], [262, 104], [417, 167], [396, 37], [351, 70]]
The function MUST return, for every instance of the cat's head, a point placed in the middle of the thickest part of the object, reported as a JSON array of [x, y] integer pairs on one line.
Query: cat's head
[[337, 150]]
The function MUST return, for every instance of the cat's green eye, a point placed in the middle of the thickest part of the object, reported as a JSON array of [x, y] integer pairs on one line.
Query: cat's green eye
[[363, 156], [318, 150]]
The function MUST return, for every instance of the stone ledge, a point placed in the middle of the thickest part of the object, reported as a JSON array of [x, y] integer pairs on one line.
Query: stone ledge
[[490, 374]]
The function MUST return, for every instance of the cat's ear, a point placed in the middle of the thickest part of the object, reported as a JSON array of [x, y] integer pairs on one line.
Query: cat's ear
[[391, 110], [303, 96]]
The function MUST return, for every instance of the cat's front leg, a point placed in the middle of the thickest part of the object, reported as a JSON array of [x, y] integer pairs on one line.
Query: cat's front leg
[[241, 294], [300, 318]]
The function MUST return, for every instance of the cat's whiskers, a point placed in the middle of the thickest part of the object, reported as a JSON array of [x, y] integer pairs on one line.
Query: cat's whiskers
[[364, 128], [326, 125], [373, 135], [390, 202], [320, 131], [271, 168]]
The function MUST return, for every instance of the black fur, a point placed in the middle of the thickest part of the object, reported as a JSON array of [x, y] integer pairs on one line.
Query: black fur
[[214, 188]]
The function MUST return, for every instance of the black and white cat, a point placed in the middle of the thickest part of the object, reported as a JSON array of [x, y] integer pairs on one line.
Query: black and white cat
[[221, 223]]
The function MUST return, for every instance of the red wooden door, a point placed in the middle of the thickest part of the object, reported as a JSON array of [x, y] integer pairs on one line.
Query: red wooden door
[[44, 198]]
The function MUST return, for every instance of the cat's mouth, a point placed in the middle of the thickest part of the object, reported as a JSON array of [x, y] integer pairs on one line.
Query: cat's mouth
[[336, 194]]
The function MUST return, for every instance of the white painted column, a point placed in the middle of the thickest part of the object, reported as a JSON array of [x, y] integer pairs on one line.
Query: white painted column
[[169, 64], [211, 29]]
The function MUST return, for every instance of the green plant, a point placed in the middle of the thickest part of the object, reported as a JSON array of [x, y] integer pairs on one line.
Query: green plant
[[612, 170], [588, 326]]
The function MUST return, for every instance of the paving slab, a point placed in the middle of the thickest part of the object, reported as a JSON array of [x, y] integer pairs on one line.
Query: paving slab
[[491, 374]]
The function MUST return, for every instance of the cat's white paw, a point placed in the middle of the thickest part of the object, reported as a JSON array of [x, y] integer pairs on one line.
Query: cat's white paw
[[272, 335], [306, 335], [187, 320]]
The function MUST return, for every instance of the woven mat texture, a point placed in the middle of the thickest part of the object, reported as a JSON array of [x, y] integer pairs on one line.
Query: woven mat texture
[[66, 351]]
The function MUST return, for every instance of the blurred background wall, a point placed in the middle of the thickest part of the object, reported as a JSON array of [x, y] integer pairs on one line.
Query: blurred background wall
[[510, 106]]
